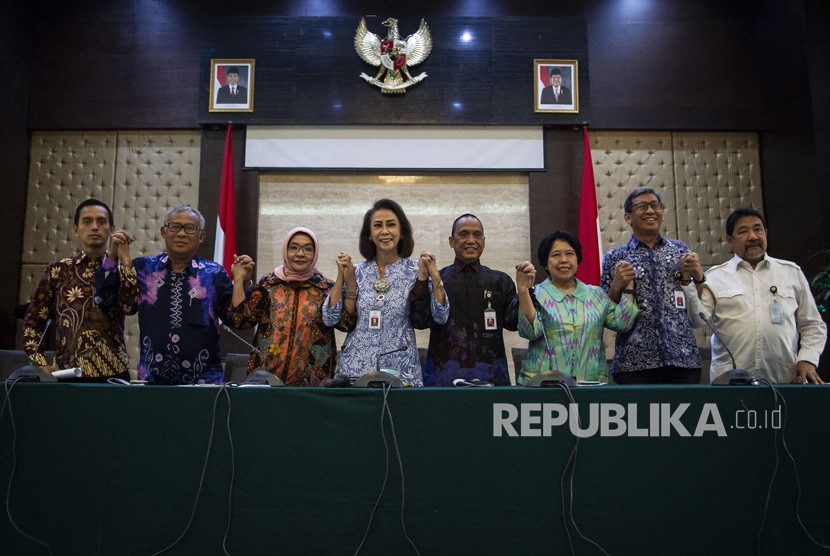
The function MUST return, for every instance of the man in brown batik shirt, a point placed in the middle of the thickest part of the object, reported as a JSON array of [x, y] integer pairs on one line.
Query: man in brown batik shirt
[[88, 337]]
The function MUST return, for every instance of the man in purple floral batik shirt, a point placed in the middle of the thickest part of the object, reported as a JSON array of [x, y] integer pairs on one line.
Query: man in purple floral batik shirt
[[179, 297]]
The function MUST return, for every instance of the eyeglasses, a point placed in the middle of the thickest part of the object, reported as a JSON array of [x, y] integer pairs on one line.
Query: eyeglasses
[[293, 248], [642, 207], [175, 227]]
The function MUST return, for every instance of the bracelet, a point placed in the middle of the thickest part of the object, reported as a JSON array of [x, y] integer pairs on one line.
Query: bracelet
[[679, 278], [702, 280], [632, 292], [352, 292], [350, 296]]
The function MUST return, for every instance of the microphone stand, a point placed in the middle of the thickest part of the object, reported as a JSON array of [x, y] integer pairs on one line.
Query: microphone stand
[[230, 331], [256, 377], [736, 376], [32, 372], [377, 361]]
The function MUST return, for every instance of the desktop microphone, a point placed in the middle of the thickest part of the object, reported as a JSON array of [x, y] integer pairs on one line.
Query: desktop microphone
[[377, 362], [37, 347], [378, 378], [736, 376], [257, 377], [33, 372]]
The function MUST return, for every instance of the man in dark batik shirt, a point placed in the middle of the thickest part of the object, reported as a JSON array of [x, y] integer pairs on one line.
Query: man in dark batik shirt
[[470, 345], [179, 297], [661, 347]]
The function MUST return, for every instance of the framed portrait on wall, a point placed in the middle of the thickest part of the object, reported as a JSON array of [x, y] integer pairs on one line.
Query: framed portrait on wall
[[232, 85], [556, 85]]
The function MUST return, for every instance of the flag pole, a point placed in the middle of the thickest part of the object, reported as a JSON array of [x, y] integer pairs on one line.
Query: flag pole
[[225, 247]]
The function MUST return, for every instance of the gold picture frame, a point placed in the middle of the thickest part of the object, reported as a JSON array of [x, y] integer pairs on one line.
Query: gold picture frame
[[545, 99], [222, 96]]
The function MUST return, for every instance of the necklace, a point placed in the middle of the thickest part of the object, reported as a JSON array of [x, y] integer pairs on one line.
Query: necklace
[[381, 285]]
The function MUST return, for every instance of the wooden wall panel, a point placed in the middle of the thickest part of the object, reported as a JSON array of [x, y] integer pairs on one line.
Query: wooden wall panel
[[307, 71], [14, 157], [693, 65]]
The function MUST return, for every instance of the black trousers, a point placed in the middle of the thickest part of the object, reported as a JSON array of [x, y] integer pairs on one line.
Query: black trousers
[[661, 375]]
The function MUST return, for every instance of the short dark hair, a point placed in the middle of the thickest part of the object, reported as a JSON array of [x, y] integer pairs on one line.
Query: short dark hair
[[547, 244], [91, 203], [553, 70], [405, 245], [739, 213], [462, 217], [629, 201], [232, 69]]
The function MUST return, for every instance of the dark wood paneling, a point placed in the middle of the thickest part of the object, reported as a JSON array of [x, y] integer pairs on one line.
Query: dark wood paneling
[[674, 74], [817, 19], [15, 43], [554, 194], [788, 155], [796, 202], [141, 64], [307, 71], [125, 64]]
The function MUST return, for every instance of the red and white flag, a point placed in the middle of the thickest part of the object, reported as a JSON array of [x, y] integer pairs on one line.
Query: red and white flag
[[226, 215], [591, 266], [221, 77]]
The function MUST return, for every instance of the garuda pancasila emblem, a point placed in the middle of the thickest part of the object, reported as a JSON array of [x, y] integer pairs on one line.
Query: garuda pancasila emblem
[[393, 54]]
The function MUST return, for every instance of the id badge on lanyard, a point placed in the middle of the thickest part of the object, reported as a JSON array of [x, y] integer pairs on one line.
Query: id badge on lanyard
[[776, 310], [490, 322], [679, 299], [375, 320]]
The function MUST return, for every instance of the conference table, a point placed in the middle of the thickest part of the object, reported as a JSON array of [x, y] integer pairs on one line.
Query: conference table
[[116, 470]]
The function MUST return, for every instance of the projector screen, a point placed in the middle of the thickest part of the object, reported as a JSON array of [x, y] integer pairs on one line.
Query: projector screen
[[395, 148]]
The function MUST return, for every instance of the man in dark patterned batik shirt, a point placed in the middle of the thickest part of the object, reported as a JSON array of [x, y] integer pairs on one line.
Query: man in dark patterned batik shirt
[[470, 345], [88, 337], [661, 347], [179, 297]]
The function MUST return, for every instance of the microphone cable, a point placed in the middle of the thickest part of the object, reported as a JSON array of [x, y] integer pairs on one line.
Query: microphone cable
[[383, 486], [774, 469], [400, 465], [776, 396], [571, 458], [571, 463], [233, 471], [9, 386], [223, 389], [385, 410]]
